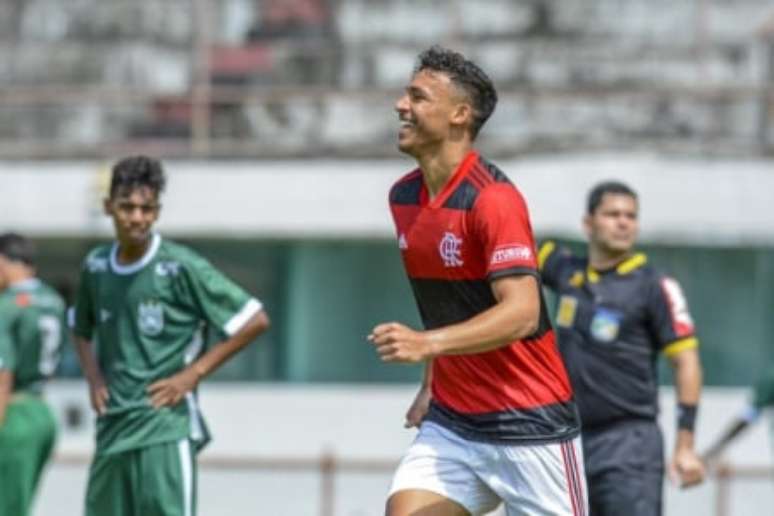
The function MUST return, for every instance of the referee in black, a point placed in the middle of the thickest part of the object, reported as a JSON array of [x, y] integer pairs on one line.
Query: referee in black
[[615, 315]]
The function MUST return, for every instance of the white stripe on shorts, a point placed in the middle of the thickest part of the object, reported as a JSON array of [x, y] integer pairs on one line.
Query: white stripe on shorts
[[186, 467]]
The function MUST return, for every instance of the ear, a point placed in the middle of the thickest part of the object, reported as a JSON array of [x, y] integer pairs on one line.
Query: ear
[[462, 114], [107, 207], [586, 223]]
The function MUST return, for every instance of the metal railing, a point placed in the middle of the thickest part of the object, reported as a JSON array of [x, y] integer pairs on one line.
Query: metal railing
[[328, 466], [727, 474]]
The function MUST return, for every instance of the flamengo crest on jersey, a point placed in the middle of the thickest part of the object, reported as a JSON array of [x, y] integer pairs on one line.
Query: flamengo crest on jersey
[[472, 233], [450, 249], [150, 318]]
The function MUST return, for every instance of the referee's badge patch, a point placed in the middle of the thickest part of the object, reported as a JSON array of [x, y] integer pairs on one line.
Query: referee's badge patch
[[565, 315], [605, 325]]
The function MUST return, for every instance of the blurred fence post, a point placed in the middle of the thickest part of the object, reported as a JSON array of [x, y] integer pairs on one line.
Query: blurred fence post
[[724, 475], [201, 88], [327, 483]]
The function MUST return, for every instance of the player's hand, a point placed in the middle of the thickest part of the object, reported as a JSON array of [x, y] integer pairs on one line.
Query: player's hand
[[169, 391], [395, 342], [418, 409], [98, 395], [686, 469]]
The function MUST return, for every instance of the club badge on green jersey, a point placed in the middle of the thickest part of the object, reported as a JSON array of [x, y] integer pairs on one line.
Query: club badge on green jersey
[[150, 317]]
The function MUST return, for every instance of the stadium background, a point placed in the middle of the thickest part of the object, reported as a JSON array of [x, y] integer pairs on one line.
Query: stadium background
[[275, 120]]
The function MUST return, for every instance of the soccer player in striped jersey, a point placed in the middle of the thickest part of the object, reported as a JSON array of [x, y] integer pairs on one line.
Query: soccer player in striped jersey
[[32, 328], [143, 310], [616, 315], [496, 415]]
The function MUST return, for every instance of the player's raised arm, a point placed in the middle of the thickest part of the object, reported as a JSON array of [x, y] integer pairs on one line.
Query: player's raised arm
[[421, 404]]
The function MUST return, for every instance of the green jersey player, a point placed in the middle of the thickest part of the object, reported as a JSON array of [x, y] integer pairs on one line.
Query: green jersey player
[[762, 399], [143, 308], [31, 331]]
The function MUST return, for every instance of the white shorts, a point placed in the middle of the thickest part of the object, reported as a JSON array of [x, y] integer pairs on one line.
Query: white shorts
[[542, 479]]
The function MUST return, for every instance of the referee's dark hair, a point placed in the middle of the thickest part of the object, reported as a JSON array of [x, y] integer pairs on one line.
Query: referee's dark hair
[[467, 76], [17, 248], [137, 171], [607, 187]]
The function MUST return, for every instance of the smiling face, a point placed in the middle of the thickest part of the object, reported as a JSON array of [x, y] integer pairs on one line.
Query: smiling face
[[613, 226], [134, 211], [431, 111]]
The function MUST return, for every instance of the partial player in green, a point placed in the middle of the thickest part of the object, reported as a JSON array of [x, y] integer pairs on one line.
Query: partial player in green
[[763, 398], [143, 311], [32, 327]]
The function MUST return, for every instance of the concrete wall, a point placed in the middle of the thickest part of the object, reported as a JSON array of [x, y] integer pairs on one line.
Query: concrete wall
[[716, 202]]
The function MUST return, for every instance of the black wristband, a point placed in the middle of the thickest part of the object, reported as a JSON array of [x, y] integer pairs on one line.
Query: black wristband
[[686, 416]]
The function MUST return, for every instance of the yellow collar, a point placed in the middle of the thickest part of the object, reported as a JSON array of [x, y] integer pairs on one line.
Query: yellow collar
[[631, 264]]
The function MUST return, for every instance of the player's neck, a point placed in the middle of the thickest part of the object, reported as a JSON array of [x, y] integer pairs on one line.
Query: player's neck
[[19, 274], [439, 166], [602, 260], [131, 252]]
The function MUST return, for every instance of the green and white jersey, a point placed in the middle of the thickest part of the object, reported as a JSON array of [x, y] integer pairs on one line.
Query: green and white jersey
[[32, 329], [148, 321], [763, 394], [762, 399]]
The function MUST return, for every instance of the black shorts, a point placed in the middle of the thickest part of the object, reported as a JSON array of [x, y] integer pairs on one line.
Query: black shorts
[[624, 468]]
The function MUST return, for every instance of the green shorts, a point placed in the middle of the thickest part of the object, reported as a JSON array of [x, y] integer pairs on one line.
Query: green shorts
[[26, 441], [157, 480]]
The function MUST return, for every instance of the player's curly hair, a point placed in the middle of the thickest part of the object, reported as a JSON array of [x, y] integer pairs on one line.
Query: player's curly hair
[[607, 187], [137, 171], [17, 248], [467, 76]]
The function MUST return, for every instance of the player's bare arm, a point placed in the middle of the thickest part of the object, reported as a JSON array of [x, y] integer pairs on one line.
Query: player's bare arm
[[98, 392], [6, 385], [170, 391], [421, 404], [686, 467], [513, 317]]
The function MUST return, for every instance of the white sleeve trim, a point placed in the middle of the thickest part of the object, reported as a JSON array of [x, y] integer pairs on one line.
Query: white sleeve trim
[[252, 307], [750, 414]]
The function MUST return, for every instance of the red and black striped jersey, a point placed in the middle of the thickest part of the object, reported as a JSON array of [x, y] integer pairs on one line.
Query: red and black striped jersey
[[474, 231]]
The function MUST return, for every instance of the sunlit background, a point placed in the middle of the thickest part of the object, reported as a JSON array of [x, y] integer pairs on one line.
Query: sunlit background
[[275, 122]]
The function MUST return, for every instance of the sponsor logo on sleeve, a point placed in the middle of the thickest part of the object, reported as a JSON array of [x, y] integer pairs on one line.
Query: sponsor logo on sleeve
[[511, 253]]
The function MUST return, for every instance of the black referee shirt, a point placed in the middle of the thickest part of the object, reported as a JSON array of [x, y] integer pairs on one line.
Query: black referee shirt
[[611, 326]]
